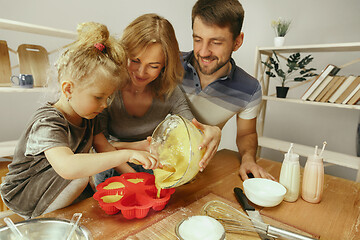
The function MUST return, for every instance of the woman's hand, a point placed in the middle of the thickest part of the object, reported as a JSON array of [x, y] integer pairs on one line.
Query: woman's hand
[[143, 145], [212, 137]]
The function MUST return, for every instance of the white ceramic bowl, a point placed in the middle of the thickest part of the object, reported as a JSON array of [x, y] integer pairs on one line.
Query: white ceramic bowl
[[264, 192]]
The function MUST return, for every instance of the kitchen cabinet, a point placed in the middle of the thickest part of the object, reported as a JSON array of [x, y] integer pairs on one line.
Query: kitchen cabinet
[[263, 54]]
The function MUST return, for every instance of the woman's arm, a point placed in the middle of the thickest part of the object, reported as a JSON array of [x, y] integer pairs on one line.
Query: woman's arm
[[143, 145]]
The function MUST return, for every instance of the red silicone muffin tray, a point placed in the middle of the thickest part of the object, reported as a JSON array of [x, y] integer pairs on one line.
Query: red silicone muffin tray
[[137, 197]]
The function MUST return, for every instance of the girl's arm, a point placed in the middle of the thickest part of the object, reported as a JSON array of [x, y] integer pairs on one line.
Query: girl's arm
[[101, 144], [72, 166]]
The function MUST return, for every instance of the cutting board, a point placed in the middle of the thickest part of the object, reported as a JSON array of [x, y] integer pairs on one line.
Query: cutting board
[[5, 67], [34, 59], [165, 228]]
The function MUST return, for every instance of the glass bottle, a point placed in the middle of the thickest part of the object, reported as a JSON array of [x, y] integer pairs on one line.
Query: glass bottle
[[290, 176], [313, 179]]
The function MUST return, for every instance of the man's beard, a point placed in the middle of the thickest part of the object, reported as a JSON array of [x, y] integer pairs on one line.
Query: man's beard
[[209, 71]]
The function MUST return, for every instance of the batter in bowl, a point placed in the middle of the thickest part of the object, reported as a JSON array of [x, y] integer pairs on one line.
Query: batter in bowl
[[180, 156]]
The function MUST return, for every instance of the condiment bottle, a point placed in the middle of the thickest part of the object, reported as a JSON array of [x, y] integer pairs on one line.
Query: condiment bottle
[[290, 175], [313, 179]]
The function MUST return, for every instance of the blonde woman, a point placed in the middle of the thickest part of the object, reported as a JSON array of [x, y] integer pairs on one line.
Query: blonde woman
[[52, 165], [151, 91]]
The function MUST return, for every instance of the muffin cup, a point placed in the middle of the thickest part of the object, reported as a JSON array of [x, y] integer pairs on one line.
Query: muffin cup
[[139, 195]]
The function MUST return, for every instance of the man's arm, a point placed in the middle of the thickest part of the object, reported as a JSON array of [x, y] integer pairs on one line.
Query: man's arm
[[247, 143]]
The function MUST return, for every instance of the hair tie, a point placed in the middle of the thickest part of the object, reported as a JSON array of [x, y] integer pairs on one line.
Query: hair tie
[[100, 47]]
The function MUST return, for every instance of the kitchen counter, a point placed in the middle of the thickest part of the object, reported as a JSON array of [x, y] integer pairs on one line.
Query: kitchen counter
[[337, 216]]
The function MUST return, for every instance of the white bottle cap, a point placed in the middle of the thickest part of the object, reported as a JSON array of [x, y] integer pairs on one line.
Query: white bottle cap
[[292, 157], [315, 158]]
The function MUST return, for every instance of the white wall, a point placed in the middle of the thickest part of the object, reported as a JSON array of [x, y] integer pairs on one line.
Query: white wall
[[313, 22]]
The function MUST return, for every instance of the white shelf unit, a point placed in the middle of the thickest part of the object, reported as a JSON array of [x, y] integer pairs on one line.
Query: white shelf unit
[[330, 157], [7, 147], [22, 90]]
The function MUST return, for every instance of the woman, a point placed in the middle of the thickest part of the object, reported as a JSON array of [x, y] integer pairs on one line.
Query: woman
[[151, 91]]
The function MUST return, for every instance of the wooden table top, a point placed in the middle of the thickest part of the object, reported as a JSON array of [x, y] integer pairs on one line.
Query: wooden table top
[[337, 216]]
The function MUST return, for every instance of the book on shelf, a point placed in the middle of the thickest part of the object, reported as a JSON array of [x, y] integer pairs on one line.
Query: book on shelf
[[342, 88], [330, 69], [320, 88], [327, 88], [348, 90], [353, 92], [354, 98], [334, 85]]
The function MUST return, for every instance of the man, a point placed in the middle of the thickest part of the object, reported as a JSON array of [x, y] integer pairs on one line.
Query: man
[[216, 88]]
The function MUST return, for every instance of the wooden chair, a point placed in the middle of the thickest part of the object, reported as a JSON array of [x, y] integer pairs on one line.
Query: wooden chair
[[34, 59], [5, 66]]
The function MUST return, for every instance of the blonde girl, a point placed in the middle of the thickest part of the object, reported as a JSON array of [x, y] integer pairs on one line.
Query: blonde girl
[[52, 164]]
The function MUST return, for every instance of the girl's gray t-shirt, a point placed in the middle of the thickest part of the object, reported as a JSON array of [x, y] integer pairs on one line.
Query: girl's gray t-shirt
[[32, 184]]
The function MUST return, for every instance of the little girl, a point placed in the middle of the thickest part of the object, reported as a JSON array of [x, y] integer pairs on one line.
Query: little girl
[[52, 164]]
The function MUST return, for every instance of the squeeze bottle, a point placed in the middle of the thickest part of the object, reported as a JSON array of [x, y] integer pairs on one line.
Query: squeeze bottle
[[290, 175], [313, 179]]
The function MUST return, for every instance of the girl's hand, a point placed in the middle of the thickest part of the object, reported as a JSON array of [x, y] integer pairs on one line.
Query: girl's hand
[[147, 160], [212, 137]]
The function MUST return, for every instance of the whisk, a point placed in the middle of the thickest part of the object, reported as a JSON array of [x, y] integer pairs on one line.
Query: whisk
[[235, 221]]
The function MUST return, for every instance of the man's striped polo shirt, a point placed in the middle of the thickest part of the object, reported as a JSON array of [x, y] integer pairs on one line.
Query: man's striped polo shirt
[[237, 93]]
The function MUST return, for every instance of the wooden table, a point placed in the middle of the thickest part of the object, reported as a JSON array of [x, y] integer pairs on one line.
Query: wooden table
[[337, 216]]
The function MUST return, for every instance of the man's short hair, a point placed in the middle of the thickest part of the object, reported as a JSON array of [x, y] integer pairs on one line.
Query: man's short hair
[[223, 13]]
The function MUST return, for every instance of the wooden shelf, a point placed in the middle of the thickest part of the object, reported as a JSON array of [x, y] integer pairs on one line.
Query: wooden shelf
[[329, 156], [300, 101]]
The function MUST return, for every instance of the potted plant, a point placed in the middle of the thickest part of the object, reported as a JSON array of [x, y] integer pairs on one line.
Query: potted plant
[[296, 65], [281, 27]]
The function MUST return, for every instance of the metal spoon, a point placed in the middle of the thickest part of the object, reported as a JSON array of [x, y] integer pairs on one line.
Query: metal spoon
[[14, 229], [78, 216]]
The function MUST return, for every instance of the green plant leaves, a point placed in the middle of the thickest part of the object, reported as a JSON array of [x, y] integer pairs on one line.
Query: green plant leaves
[[299, 79], [270, 74], [305, 61], [281, 27], [294, 58], [295, 64]]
